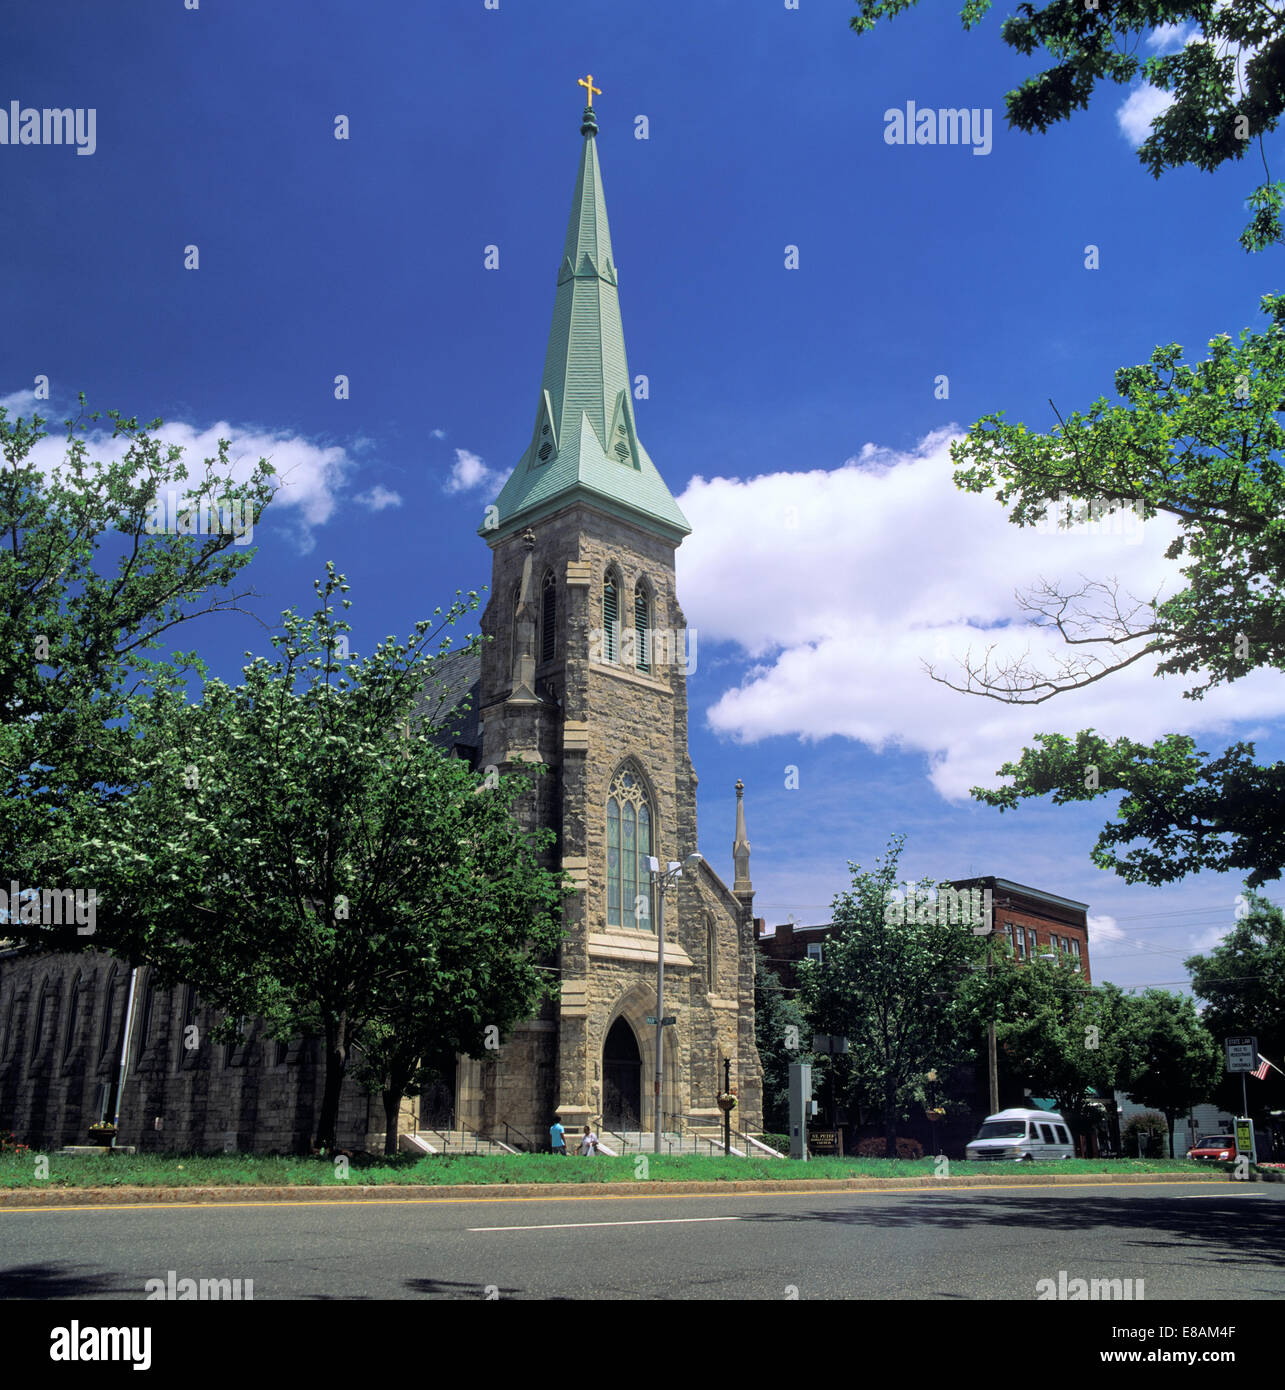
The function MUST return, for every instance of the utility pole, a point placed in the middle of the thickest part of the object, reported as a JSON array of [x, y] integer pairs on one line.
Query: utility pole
[[662, 878]]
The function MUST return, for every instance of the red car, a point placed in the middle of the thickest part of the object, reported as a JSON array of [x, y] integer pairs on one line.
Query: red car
[[1214, 1146]]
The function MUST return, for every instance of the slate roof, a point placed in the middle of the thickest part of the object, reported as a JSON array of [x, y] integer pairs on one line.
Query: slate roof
[[452, 680]]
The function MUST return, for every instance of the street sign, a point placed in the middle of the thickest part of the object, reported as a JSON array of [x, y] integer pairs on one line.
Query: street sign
[[1242, 1053], [823, 1141], [665, 1022], [1245, 1139]]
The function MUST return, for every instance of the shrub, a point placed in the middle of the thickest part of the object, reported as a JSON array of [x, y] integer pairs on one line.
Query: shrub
[[9, 1143], [874, 1148], [779, 1142], [1151, 1123]]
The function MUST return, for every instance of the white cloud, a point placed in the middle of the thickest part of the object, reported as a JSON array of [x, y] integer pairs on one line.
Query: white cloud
[[469, 473], [1139, 109], [310, 478], [23, 403], [837, 585], [378, 498], [1104, 929], [438, 433], [1169, 36]]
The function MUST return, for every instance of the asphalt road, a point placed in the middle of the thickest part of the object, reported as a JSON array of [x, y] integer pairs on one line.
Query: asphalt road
[[1185, 1241]]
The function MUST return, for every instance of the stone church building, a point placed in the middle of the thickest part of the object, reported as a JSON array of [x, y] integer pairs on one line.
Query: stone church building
[[586, 673]]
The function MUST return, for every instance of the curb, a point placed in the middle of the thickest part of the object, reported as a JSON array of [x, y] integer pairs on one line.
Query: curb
[[184, 1196]]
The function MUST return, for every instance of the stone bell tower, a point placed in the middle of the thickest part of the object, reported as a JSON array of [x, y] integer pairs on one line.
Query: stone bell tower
[[586, 672]]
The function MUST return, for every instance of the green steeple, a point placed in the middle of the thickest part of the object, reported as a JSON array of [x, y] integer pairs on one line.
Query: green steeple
[[584, 444]]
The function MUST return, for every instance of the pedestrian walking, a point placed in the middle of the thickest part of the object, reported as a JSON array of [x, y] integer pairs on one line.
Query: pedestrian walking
[[588, 1143], [558, 1138]]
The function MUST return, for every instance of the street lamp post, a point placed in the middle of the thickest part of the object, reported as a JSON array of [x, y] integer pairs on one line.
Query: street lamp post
[[662, 878]]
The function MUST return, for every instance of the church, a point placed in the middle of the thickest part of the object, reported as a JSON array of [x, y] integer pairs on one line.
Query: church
[[585, 673]]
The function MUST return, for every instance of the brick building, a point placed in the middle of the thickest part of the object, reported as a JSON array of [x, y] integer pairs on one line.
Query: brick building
[[1032, 921]]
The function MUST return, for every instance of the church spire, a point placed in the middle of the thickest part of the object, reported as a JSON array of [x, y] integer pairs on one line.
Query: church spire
[[585, 439], [741, 846]]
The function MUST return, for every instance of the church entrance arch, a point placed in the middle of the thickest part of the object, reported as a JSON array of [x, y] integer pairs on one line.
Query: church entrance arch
[[621, 1079], [437, 1101]]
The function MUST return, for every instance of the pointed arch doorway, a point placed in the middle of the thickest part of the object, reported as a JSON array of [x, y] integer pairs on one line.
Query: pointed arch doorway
[[621, 1079]]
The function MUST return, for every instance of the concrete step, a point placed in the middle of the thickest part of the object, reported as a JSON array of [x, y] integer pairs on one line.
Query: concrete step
[[452, 1141]]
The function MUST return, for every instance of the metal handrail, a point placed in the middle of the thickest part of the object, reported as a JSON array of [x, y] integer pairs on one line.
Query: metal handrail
[[620, 1138], [529, 1142], [745, 1138]]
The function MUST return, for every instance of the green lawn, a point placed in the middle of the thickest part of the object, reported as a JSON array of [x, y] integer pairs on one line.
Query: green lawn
[[230, 1170]]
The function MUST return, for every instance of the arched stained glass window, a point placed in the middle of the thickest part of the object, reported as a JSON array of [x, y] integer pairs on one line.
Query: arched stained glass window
[[629, 846], [611, 617], [642, 628]]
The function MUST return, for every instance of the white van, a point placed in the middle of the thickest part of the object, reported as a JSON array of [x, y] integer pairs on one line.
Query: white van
[[1024, 1135]]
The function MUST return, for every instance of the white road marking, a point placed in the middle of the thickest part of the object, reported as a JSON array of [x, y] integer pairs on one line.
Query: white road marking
[[1213, 1196], [576, 1225]]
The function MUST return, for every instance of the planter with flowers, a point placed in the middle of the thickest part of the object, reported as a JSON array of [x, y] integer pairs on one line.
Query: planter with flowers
[[103, 1132]]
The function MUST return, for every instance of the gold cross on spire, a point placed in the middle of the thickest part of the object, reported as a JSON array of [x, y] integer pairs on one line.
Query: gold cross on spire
[[587, 84]]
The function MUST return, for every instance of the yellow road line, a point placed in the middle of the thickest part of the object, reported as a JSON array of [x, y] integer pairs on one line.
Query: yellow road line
[[597, 1197]]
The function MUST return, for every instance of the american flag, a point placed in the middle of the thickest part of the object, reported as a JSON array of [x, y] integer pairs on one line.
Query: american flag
[[1261, 1071]]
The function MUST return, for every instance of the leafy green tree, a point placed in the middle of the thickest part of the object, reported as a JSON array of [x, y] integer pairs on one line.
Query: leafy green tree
[[1147, 1123], [892, 987], [89, 587], [783, 1035], [294, 849], [1202, 444], [1058, 1034], [1226, 79], [1243, 980], [1171, 1061]]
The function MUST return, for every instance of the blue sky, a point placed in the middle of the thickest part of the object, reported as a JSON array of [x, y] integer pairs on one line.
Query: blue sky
[[774, 389]]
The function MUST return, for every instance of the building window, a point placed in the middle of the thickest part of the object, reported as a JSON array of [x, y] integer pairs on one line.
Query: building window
[[611, 618], [549, 618], [814, 950], [1008, 936], [1021, 944], [513, 635], [629, 846], [73, 1019], [145, 1023], [1032, 942], [642, 629], [185, 1036], [1075, 952], [711, 952], [42, 1010], [109, 1005]]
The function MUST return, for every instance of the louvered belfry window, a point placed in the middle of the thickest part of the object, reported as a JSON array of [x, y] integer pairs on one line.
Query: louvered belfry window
[[549, 618], [642, 629], [611, 618]]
